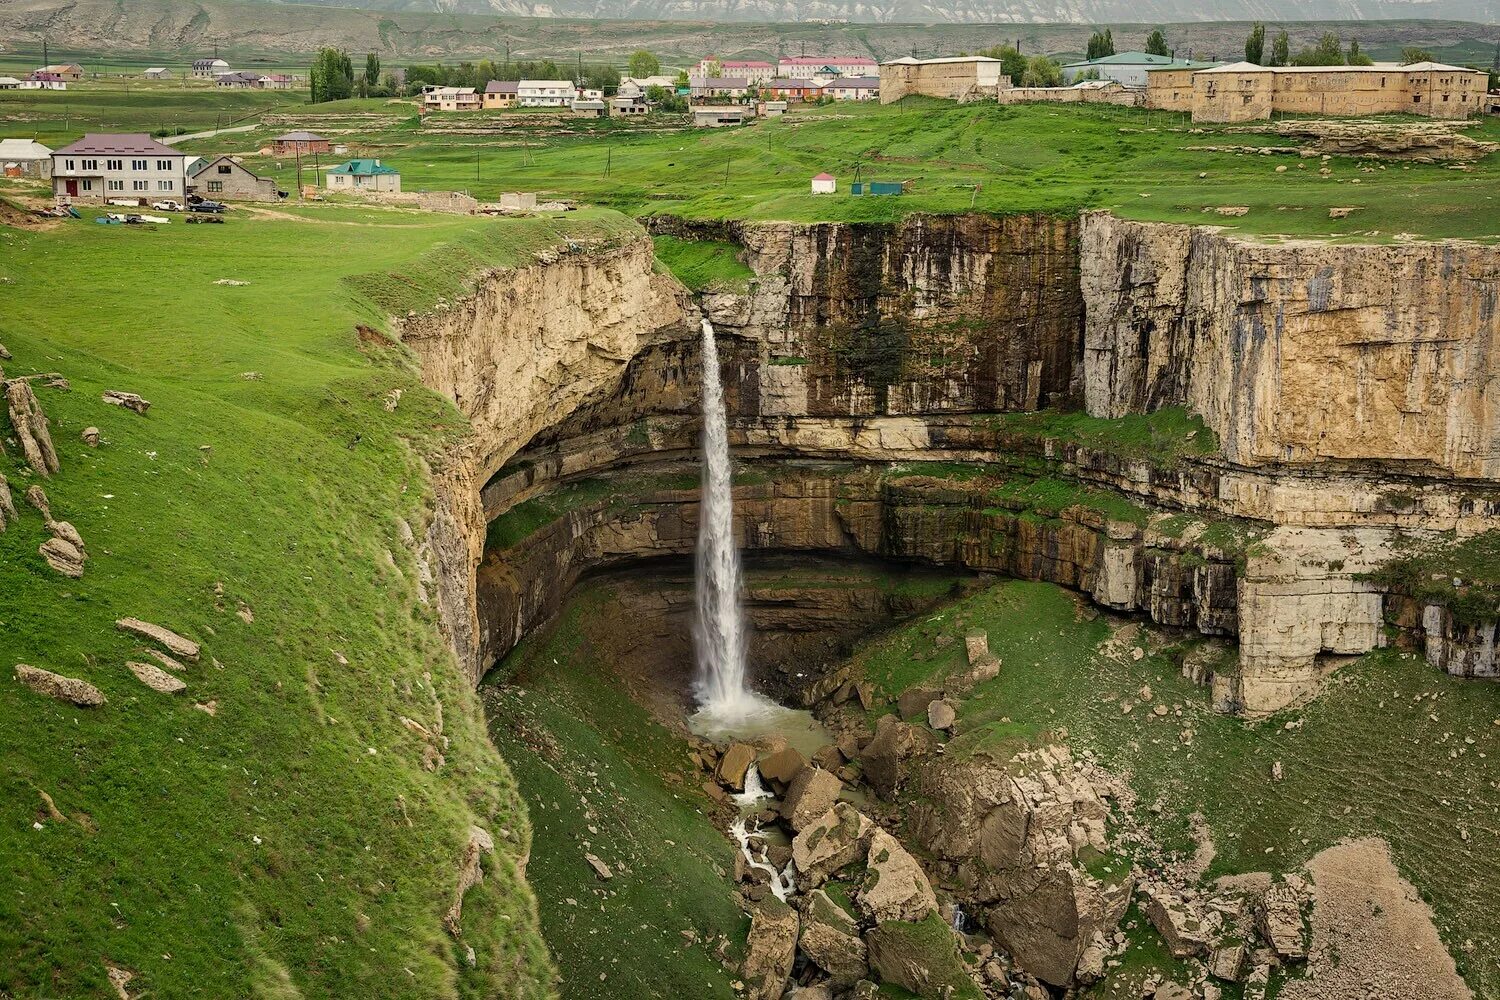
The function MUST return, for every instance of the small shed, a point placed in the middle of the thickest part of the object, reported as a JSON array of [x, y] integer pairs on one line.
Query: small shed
[[158, 73], [293, 143], [25, 158], [861, 188], [824, 184]]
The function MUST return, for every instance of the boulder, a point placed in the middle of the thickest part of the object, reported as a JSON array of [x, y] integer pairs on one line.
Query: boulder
[[811, 794], [156, 678], [895, 887], [830, 940], [30, 426], [781, 767], [91, 436], [770, 949], [1228, 962], [941, 715], [839, 837], [733, 765], [912, 703], [7, 503], [921, 958], [1181, 923], [470, 874], [71, 689], [177, 645], [128, 400], [884, 758], [63, 556], [601, 870], [1280, 921]]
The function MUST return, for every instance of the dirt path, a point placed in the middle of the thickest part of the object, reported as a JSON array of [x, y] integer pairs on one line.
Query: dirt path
[[1372, 935]]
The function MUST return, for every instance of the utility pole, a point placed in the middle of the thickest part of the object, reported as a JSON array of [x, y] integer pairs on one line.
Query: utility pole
[[476, 166], [298, 147], [727, 160]]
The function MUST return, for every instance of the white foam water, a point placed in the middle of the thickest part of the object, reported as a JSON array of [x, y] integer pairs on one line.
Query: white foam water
[[783, 883], [719, 632]]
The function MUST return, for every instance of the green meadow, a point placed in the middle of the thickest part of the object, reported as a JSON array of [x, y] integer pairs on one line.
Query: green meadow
[[1027, 158], [291, 843]]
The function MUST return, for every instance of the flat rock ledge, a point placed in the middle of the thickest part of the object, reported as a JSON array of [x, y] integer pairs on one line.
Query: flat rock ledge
[[185, 648], [156, 678], [70, 689]]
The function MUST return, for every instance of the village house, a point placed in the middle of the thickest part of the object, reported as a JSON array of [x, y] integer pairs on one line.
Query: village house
[[360, 176], [44, 81], [277, 81], [545, 93], [499, 94], [9, 83], [752, 70], [583, 108], [719, 117], [207, 69], [824, 184], [1128, 69], [704, 88], [240, 80], [955, 78], [102, 166], [158, 73], [1246, 92], [451, 99], [853, 88], [226, 179], [809, 67], [294, 143], [789, 89], [25, 158], [627, 106], [67, 72], [641, 84]]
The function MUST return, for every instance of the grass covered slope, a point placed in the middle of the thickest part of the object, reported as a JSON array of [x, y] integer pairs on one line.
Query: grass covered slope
[[601, 776], [1391, 748], [292, 843]]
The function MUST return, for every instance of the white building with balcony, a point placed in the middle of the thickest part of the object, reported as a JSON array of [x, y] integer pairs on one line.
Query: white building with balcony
[[130, 166], [546, 93]]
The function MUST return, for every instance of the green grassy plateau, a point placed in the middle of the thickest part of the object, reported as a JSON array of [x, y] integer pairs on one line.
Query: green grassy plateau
[[1027, 158], [1392, 748], [292, 843]]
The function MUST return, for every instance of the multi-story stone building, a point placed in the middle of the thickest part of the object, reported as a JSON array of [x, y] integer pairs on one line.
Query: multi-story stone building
[[1245, 92], [955, 78], [119, 166]]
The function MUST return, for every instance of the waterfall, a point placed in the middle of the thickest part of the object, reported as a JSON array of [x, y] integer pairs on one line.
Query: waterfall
[[783, 882], [720, 632], [754, 791]]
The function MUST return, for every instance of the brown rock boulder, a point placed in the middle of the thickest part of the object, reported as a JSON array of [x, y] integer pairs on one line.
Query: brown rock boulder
[[177, 645], [921, 958], [780, 768], [156, 678], [912, 703], [885, 758], [839, 837], [895, 886], [71, 689], [30, 426], [770, 949], [733, 765], [63, 556], [830, 940], [811, 794]]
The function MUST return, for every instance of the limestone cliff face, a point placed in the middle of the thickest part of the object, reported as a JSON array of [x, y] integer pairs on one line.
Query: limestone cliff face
[[529, 347], [1299, 352], [934, 314]]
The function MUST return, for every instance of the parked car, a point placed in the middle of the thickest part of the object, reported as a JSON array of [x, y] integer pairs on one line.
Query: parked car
[[212, 207], [167, 205]]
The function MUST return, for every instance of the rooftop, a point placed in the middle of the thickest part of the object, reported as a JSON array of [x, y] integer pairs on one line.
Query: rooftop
[[1421, 67], [23, 149], [913, 61], [300, 137], [124, 144], [502, 87], [363, 168], [826, 60], [1130, 59]]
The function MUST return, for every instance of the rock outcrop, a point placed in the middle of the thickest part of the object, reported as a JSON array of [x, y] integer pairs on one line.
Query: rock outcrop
[[1298, 352], [30, 426], [70, 689]]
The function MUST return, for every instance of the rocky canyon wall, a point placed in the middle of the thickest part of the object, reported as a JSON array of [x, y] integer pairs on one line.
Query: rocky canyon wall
[[1299, 352], [519, 355]]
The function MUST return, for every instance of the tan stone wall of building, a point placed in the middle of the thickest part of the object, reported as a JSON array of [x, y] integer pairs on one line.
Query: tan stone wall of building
[[1073, 95], [951, 81], [1169, 89], [1236, 97]]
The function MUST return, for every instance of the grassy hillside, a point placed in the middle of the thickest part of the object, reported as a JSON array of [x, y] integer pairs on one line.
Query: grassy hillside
[[291, 843], [1392, 748]]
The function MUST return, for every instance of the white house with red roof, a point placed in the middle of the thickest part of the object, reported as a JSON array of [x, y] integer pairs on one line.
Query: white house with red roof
[[824, 184], [810, 67], [129, 166]]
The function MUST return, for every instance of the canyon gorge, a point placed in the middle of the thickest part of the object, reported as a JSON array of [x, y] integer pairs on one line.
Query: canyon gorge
[[1276, 456]]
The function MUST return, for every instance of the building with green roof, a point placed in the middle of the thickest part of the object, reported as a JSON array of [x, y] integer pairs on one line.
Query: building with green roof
[[1127, 68], [364, 175]]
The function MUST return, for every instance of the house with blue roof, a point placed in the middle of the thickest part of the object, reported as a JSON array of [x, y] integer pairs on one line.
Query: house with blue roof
[[364, 175]]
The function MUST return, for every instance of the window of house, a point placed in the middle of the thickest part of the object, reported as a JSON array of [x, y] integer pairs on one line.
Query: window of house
[[86, 184], [224, 168], [1416, 98], [69, 164], [163, 164], [108, 164], [138, 185], [164, 185], [90, 164], [137, 164], [115, 185], [214, 187]]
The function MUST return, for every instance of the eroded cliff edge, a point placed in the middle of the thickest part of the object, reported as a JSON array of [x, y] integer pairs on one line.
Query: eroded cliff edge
[[1338, 396]]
